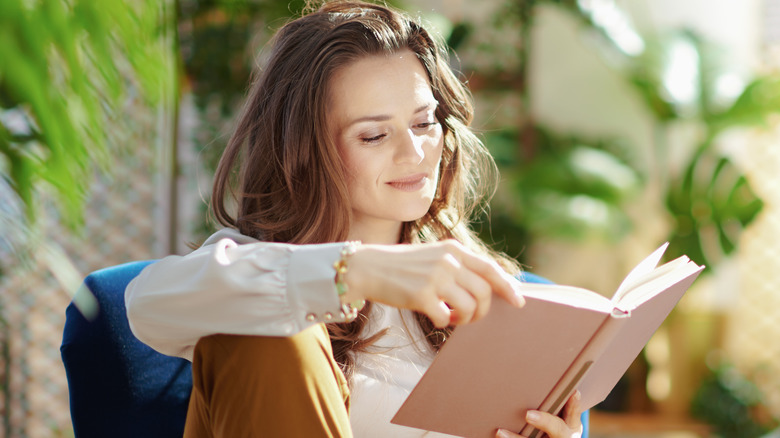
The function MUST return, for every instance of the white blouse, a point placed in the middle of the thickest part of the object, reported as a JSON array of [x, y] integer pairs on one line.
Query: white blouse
[[236, 284], [387, 373]]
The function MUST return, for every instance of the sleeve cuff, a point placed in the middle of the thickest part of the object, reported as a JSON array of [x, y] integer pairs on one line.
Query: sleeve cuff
[[310, 284]]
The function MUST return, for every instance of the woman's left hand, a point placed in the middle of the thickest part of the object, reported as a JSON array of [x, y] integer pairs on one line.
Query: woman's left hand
[[568, 425]]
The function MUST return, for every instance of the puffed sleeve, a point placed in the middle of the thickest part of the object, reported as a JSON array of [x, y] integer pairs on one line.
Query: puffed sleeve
[[232, 284]]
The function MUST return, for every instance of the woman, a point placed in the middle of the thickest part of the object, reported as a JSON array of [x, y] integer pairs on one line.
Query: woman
[[356, 130]]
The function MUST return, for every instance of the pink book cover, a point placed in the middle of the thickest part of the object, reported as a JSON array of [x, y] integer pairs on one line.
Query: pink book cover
[[491, 372]]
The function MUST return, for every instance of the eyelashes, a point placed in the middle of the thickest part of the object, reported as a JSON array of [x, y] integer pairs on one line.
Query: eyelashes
[[374, 139]]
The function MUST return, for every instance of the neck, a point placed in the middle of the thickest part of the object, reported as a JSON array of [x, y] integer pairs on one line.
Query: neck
[[385, 232]]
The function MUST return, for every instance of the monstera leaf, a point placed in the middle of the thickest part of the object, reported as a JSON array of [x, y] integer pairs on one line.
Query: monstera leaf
[[712, 200], [711, 204]]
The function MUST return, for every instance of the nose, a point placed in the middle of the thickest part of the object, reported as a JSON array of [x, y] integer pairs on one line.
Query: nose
[[410, 148]]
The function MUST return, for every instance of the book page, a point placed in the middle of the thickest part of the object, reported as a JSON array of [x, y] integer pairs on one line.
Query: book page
[[656, 282], [568, 295], [643, 268]]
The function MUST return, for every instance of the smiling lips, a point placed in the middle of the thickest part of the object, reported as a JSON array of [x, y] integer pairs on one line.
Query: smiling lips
[[410, 183]]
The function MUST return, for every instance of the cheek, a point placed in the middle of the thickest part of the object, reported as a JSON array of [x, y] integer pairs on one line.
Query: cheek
[[360, 167], [437, 150], [351, 158], [350, 167]]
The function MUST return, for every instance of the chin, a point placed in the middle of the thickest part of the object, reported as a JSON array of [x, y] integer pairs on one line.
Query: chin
[[412, 216]]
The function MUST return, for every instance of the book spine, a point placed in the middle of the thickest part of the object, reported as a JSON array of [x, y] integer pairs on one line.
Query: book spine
[[579, 368]]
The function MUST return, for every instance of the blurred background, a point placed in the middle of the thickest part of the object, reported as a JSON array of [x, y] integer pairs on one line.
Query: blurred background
[[617, 126]]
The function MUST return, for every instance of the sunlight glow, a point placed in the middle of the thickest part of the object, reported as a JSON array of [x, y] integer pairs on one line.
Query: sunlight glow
[[681, 73], [16, 121], [604, 166], [728, 87], [589, 210], [615, 23]]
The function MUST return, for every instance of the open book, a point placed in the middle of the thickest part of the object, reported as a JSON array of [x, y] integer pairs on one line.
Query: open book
[[565, 338]]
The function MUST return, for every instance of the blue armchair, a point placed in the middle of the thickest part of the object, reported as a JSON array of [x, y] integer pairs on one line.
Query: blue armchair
[[119, 387]]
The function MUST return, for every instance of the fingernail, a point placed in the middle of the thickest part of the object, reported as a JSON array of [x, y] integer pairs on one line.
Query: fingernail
[[502, 433], [532, 416], [577, 395]]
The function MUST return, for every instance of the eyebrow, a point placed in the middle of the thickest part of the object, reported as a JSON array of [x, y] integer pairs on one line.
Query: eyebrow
[[385, 117]]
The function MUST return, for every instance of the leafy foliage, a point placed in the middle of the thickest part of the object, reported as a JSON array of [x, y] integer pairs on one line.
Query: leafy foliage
[[218, 40], [571, 188], [64, 69], [732, 404], [710, 203], [710, 199]]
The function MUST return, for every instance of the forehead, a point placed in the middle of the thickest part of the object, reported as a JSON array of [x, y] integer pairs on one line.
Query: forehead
[[381, 84]]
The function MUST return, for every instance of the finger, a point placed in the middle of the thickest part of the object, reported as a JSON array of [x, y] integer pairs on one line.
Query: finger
[[462, 304], [503, 433], [478, 288], [552, 425], [500, 282], [572, 411], [516, 299], [438, 312]]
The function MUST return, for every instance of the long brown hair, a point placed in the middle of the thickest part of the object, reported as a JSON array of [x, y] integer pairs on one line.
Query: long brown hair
[[281, 171]]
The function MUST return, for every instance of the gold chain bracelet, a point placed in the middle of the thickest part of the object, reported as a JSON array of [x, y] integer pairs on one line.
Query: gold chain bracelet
[[349, 310]]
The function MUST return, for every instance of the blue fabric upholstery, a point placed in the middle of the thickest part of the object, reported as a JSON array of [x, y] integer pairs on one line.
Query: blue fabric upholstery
[[528, 277], [119, 387], [533, 278]]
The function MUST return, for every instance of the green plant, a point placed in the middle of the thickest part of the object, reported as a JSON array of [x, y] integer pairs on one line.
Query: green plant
[[553, 184], [573, 187], [732, 405], [709, 199], [218, 44], [682, 78], [64, 71]]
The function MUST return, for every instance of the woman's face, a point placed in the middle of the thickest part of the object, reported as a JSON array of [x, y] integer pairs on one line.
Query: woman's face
[[382, 119]]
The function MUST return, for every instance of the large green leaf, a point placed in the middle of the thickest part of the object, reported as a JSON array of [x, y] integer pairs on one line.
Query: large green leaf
[[711, 204], [759, 99]]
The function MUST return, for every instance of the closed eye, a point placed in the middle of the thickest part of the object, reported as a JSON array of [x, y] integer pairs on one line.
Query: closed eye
[[374, 139]]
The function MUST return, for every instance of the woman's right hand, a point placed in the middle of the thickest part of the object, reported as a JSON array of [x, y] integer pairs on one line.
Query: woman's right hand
[[444, 280], [567, 425]]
